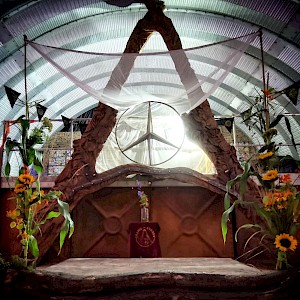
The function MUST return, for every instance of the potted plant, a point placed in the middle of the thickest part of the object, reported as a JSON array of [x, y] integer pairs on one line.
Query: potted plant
[[279, 206], [29, 198]]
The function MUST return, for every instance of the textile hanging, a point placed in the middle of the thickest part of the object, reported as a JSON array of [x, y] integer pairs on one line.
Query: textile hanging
[[126, 80], [121, 80]]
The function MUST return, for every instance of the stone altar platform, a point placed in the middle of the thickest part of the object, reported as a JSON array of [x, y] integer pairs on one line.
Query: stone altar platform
[[151, 278]]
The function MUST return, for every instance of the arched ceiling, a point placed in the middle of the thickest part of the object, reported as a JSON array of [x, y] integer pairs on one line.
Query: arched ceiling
[[106, 28]]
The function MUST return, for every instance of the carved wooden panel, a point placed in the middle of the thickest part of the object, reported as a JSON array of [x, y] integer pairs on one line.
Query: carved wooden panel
[[189, 219]]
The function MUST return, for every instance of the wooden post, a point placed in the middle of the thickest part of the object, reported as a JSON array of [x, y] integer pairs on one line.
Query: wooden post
[[264, 81]]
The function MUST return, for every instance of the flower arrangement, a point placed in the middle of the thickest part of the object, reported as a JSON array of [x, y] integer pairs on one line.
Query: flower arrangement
[[279, 207], [143, 198], [144, 202], [29, 197]]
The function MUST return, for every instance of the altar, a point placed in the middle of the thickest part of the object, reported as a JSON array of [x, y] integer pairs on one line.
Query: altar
[[144, 239]]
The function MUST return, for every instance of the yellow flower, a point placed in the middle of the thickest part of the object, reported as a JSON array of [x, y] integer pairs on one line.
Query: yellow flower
[[25, 235], [285, 242], [18, 223], [265, 155], [34, 196], [20, 188], [20, 226], [47, 123], [13, 214], [270, 175], [26, 179], [12, 224]]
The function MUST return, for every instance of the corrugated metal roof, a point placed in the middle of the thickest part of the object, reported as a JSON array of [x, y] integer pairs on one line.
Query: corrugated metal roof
[[96, 26]]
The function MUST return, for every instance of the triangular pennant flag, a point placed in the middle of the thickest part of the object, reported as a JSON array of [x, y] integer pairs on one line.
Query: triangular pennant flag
[[227, 122], [82, 127], [12, 95], [292, 92], [67, 122], [40, 109], [246, 116]]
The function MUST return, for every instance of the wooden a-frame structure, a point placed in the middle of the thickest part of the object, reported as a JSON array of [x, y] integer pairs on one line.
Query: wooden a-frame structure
[[79, 177]]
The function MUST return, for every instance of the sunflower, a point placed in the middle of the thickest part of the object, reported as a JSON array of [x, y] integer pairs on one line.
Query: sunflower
[[270, 175], [285, 242], [266, 155], [20, 188], [26, 179]]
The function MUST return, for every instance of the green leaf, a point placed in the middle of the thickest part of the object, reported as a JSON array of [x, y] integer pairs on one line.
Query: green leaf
[[51, 215], [7, 170], [265, 215], [9, 145], [225, 219], [288, 125], [246, 226], [276, 121], [227, 201], [62, 235], [244, 179], [33, 246], [37, 164], [294, 228], [68, 225]]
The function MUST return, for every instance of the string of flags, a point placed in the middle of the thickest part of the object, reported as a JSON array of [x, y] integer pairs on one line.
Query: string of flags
[[292, 92], [13, 96]]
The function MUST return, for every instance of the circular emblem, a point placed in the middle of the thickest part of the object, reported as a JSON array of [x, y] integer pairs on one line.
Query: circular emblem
[[227, 123], [150, 133], [145, 236]]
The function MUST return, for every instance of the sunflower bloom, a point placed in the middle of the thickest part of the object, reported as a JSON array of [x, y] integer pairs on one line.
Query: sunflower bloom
[[285, 242], [26, 179], [270, 175], [266, 155], [20, 188]]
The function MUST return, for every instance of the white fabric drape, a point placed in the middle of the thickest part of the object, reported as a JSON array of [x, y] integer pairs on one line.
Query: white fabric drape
[[122, 80], [182, 79]]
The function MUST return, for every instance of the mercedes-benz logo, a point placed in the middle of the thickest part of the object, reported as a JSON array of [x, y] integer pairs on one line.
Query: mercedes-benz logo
[[150, 133]]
